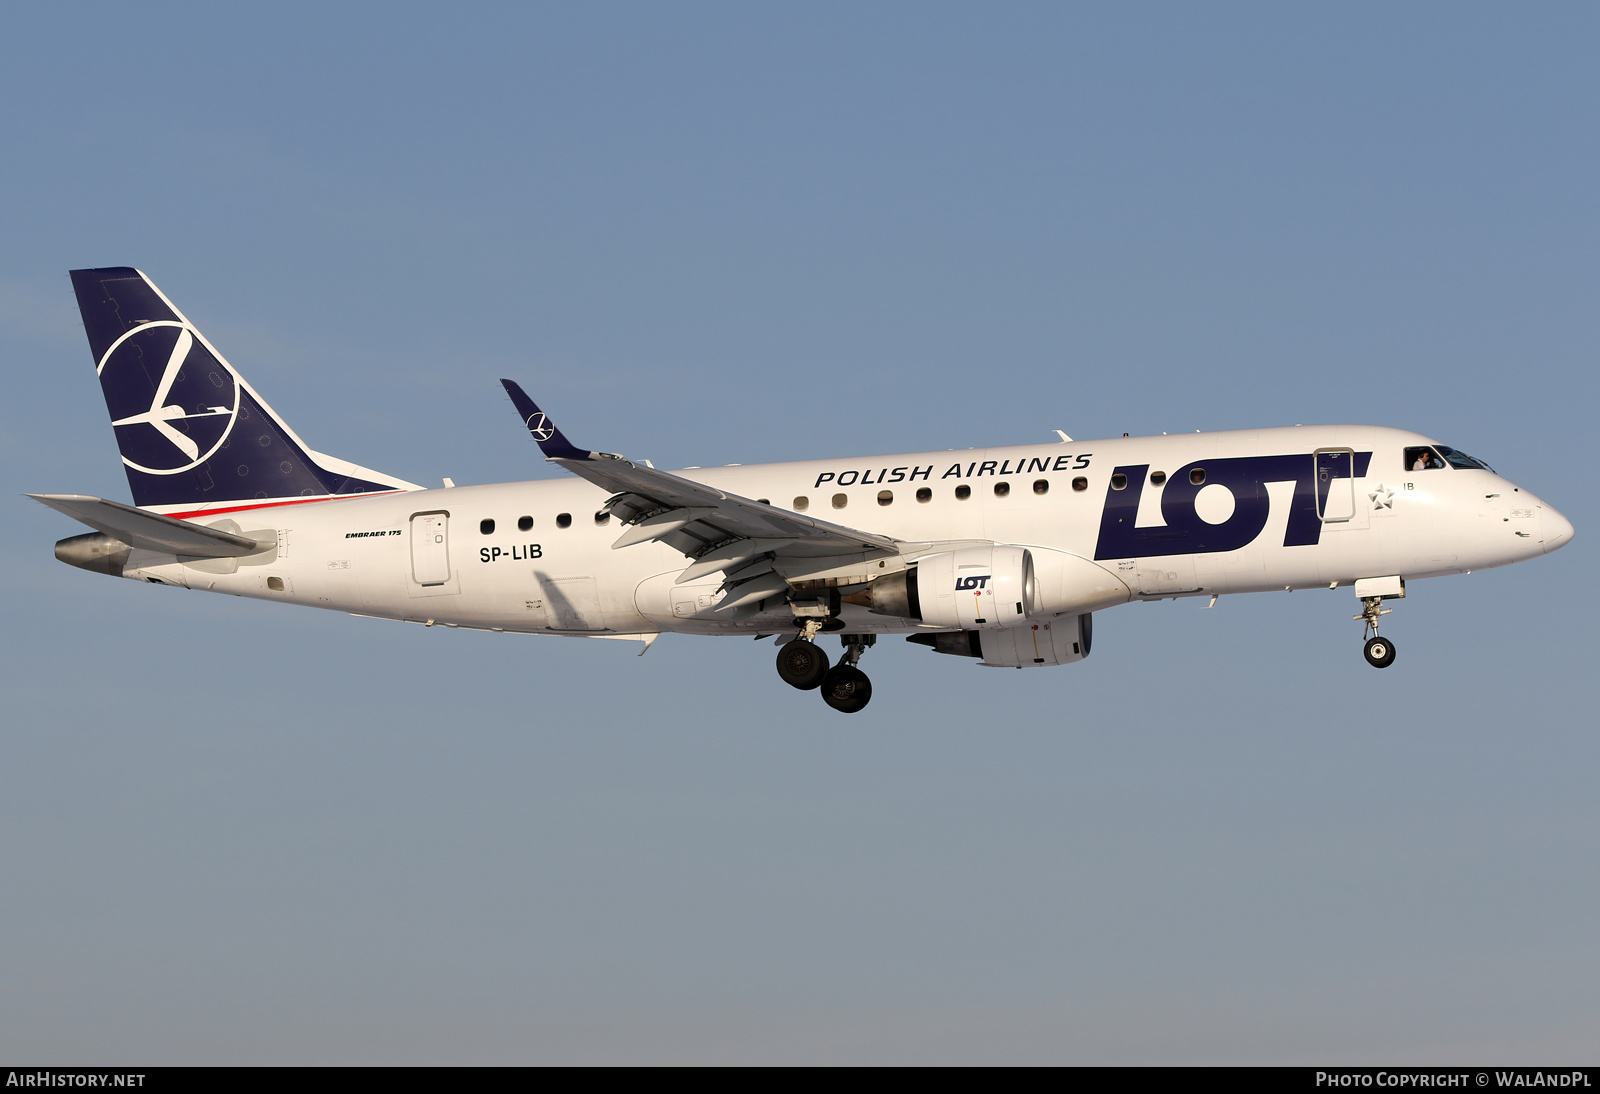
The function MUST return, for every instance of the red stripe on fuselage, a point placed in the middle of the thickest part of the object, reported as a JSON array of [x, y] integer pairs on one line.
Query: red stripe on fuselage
[[276, 504]]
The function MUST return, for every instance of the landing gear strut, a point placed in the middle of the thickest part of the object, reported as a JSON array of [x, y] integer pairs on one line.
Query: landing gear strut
[[1378, 651], [846, 688]]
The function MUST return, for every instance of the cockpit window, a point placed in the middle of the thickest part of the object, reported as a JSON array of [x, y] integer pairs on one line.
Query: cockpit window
[[1460, 460], [1434, 458], [1423, 459]]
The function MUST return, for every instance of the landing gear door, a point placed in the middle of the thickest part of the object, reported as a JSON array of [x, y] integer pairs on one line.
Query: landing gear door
[[430, 548], [1336, 493]]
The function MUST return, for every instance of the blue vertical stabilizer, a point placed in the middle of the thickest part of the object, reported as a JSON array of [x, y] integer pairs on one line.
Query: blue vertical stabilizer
[[191, 431]]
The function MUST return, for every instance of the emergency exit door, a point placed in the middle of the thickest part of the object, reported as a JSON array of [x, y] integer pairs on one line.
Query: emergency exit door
[[430, 548]]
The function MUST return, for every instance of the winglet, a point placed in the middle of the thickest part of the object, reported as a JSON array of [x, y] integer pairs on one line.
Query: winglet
[[552, 442]]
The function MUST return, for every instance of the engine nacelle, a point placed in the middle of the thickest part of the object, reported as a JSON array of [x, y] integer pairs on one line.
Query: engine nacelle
[[998, 585], [1058, 641], [974, 588]]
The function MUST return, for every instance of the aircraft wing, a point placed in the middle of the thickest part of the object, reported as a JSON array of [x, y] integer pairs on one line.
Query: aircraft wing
[[149, 531], [745, 538]]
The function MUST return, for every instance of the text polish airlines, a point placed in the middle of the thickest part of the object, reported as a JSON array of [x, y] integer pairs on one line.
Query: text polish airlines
[[999, 554]]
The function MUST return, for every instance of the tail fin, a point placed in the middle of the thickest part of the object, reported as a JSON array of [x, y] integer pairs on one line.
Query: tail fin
[[191, 431]]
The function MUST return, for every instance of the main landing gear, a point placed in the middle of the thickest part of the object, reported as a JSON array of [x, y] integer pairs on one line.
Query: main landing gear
[[845, 688], [1379, 652], [801, 664]]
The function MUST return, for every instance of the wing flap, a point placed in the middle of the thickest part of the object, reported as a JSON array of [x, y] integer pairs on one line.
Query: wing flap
[[730, 557], [753, 592]]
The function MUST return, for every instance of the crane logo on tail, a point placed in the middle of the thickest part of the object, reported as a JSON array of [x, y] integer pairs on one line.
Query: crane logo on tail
[[172, 402]]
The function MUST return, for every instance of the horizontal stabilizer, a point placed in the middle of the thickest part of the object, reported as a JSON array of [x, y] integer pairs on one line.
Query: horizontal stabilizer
[[150, 531]]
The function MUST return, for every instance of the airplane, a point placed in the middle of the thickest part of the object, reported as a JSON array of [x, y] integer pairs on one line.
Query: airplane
[[1002, 555]]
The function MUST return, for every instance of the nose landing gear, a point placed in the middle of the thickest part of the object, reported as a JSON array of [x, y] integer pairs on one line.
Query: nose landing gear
[[1379, 652]]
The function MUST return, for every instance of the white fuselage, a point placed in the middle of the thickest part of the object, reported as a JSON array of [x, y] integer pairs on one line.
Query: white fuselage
[[548, 565]]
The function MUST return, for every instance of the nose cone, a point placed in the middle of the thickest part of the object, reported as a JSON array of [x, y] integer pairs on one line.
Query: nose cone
[[1557, 529]]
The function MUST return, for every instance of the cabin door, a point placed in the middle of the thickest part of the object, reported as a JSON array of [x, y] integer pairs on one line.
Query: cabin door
[[1336, 484], [430, 548]]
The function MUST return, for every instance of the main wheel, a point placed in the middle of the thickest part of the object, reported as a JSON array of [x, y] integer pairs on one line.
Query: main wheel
[[801, 664], [846, 689], [1379, 652]]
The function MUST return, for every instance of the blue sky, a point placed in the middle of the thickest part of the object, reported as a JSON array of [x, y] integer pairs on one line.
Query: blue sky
[[236, 832]]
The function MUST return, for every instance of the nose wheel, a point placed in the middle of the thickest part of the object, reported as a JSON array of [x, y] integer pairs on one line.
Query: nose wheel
[[1378, 651]]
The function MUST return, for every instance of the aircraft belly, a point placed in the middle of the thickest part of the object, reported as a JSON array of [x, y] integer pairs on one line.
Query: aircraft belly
[[1165, 575], [1347, 556], [1238, 571]]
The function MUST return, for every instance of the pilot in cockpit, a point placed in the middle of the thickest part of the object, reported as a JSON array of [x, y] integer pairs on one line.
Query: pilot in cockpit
[[1423, 459]]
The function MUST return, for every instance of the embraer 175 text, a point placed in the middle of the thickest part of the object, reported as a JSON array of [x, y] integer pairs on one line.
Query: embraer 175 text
[[1000, 554]]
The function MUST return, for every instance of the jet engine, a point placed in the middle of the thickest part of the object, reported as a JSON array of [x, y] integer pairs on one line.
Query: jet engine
[[969, 589], [997, 585], [1058, 641]]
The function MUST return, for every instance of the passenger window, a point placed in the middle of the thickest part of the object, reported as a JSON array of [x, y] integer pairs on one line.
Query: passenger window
[[963, 493], [602, 517], [924, 495], [841, 500], [524, 523], [486, 527], [801, 504], [1423, 458], [1119, 482], [1041, 486], [763, 501], [1001, 489], [563, 520], [885, 497], [1080, 484], [1157, 478], [1198, 476]]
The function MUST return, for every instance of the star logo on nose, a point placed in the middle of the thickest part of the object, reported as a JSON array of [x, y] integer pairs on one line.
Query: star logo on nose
[[1382, 498]]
